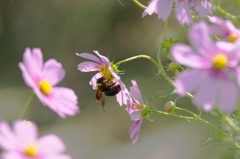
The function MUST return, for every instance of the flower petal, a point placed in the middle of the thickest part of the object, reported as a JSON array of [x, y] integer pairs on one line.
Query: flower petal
[[164, 8], [183, 13], [135, 93], [26, 132], [104, 59], [53, 72], [50, 144], [26, 76], [150, 8], [7, 137], [33, 61], [136, 115], [60, 157], [11, 155], [94, 79], [184, 55], [228, 96], [135, 130], [200, 39], [88, 66], [63, 101], [206, 96], [90, 57]]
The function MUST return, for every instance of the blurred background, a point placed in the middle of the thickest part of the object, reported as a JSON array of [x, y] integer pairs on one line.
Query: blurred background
[[62, 28]]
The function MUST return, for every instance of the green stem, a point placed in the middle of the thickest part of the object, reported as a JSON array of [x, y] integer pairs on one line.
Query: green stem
[[139, 4], [225, 13], [187, 111], [26, 105], [230, 122], [165, 29]]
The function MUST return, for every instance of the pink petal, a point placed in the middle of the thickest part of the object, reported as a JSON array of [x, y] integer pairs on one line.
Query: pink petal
[[228, 96], [7, 137], [63, 101], [26, 76], [206, 96], [200, 39], [90, 57], [136, 115], [189, 80], [135, 93], [33, 62], [150, 9], [238, 75], [104, 59], [94, 79], [183, 13], [12, 155], [164, 8], [135, 130], [123, 95], [50, 145], [53, 72], [184, 55], [88, 66], [26, 133]]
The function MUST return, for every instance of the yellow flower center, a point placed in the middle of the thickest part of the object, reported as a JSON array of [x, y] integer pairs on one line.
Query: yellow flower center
[[220, 62], [233, 37], [137, 107], [31, 150], [106, 73], [45, 87]]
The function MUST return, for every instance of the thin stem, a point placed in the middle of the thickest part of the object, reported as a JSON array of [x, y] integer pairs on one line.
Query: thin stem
[[230, 122], [187, 111], [225, 13], [139, 4], [165, 29], [26, 105]]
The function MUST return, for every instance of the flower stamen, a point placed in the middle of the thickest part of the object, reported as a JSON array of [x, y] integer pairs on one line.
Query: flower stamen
[[232, 37], [106, 73], [220, 61], [31, 150], [45, 87], [137, 107]]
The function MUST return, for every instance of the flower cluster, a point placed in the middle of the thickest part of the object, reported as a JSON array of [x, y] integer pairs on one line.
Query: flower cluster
[[183, 8]]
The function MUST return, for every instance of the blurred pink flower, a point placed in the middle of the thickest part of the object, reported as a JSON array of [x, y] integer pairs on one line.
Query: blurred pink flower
[[224, 28], [212, 71], [43, 77], [102, 64], [22, 142], [135, 111], [162, 8]]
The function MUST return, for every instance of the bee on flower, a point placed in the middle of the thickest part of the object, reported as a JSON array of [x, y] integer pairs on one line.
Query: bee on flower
[[106, 81]]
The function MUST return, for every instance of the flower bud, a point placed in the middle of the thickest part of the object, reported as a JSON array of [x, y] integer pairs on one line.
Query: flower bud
[[169, 106], [173, 66]]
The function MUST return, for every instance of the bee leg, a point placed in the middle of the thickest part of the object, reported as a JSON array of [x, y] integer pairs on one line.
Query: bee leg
[[103, 104]]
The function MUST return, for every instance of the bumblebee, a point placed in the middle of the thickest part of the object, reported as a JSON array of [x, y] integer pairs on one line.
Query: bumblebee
[[106, 87]]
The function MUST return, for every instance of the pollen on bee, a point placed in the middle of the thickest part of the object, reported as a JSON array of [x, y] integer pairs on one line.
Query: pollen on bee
[[106, 73]]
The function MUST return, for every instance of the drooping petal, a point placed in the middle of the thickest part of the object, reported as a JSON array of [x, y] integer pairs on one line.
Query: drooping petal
[[164, 8], [150, 8], [50, 144], [135, 130], [228, 96], [123, 95], [88, 66], [33, 61], [201, 40], [206, 96], [183, 13], [63, 101], [189, 80], [90, 57], [53, 72], [26, 132], [104, 59], [202, 8], [135, 93], [185, 55]]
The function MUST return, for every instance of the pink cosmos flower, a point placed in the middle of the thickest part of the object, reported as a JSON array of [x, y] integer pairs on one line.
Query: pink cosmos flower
[[22, 142], [101, 64], [224, 28], [162, 8], [135, 111], [212, 71], [42, 77]]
